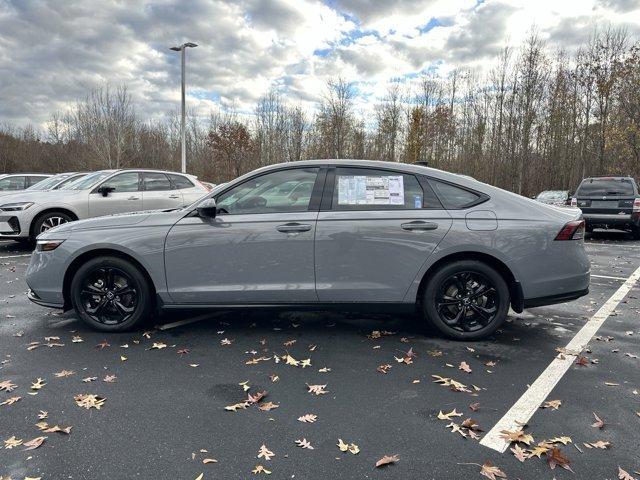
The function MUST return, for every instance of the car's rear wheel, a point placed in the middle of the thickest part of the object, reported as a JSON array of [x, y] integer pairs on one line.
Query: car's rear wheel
[[466, 300], [111, 294]]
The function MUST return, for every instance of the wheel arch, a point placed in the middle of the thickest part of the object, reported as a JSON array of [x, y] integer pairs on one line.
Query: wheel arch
[[100, 252], [515, 288], [35, 219]]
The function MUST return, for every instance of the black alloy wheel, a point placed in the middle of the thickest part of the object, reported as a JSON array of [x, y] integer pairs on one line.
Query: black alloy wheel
[[111, 294], [466, 300]]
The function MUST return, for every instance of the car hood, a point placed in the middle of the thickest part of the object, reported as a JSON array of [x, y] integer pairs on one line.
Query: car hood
[[39, 196], [120, 220]]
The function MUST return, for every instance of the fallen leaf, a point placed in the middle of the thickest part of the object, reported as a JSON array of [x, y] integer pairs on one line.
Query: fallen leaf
[[517, 436], [157, 346], [383, 368], [265, 453], [490, 471], [43, 414], [317, 389], [64, 373], [10, 401], [342, 446], [474, 407], [209, 460], [255, 398], [35, 443], [599, 444], [237, 406], [38, 384], [308, 418], [599, 423], [624, 475], [89, 379], [109, 378], [261, 469], [464, 366], [7, 386], [387, 460], [448, 416], [555, 458], [267, 406], [89, 400], [553, 404], [520, 453], [12, 442], [102, 345], [304, 444]]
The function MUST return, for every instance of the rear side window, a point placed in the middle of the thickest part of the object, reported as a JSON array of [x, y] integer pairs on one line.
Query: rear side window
[[155, 181], [179, 182], [602, 187], [454, 197], [372, 189]]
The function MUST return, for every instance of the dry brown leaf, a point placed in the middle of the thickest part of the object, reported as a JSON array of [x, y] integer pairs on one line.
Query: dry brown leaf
[[599, 444], [342, 446], [10, 401], [308, 418], [387, 460], [455, 428], [520, 453], [12, 442], [256, 397], [267, 406], [624, 475], [64, 373], [209, 460], [304, 443], [89, 400], [490, 471], [317, 389], [157, 346], [237, 406], [35, 443], [553, 404], [448, 416], [265, 453], [474, 407], [7, 386], [517, 436], [260, 469], [599, 423], [102, 345], [539, 450], [464, 366], [38, 384], [555, 457], [383, 368]]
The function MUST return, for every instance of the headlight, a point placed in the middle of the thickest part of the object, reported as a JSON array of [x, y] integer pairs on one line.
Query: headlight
[[47, 245], [15, 207]]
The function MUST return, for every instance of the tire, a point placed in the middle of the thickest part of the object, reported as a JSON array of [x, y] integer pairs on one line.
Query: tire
[[483, 304], [47, 221], [111, 294], [635, 231]]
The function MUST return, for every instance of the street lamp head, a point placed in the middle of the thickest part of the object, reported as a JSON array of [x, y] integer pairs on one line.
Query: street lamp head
[[175, 49], [183, 46], [190, 44]]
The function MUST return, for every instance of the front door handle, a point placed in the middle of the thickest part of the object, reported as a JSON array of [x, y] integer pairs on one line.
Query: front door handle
[[133, 198], [419, 225], [174, 196], [293, 227]]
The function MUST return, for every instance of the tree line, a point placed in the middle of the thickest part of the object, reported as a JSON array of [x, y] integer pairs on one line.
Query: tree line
[[536, 119]]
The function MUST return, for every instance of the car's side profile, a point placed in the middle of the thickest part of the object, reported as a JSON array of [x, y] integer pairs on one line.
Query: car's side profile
[[26, 214], [318, 234]]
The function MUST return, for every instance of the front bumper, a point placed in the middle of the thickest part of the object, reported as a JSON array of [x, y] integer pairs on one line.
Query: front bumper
[[31, 295], [9, 226]]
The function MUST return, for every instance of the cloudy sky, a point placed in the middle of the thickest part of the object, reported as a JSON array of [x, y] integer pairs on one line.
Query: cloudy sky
[[52, 52]]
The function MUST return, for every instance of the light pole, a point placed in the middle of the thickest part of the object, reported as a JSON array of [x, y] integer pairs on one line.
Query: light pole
[[183, 142]]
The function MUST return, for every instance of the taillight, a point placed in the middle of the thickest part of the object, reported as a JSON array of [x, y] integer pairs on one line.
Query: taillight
[[574, 202], [636, 205], [572, 231]]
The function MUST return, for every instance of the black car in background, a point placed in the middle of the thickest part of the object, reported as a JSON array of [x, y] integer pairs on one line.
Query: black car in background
[[609, 202]]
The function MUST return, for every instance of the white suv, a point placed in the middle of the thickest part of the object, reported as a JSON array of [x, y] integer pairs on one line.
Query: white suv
[[24, 215]]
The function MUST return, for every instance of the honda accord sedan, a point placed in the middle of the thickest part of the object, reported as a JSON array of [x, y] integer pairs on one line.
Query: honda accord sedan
[[322, 234]]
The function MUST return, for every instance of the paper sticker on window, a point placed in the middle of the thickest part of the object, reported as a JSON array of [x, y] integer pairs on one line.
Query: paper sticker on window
[[370, 190]]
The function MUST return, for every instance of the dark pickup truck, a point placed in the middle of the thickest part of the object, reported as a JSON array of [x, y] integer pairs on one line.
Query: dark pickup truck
[[609, 202]]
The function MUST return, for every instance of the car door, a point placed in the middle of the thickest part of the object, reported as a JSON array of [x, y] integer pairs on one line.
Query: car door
[[258, 248], [158, 192], [122, 195], [376, 228]]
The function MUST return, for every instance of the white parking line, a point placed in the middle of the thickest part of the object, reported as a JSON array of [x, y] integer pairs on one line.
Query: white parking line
[[607, 276], [522, 411]]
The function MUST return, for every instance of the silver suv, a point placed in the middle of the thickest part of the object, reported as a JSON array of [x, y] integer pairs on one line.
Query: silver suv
[[26, 214]]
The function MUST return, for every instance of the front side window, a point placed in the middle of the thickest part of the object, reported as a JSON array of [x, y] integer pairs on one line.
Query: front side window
[[123, 182], [68, 181], [12, 183], [155, 182], [87, 181], [284, 191], [34, 179], [452, 196], [372, 189]]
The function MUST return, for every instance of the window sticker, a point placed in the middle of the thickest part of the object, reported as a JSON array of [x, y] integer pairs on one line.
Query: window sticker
[[370, 190]]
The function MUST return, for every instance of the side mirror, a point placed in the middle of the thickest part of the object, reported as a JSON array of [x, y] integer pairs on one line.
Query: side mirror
[[207, 208], [105, 191]]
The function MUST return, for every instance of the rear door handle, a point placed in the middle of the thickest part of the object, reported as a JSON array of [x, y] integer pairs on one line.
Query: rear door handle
[[419, 225], [174, 196], [293, 227], [133, 198]]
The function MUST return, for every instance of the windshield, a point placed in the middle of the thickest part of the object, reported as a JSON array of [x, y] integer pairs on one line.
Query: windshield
[[48, 183], [552, 195], [602, 187], [88, 181]]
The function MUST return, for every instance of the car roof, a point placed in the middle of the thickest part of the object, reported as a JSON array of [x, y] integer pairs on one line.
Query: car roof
[[610, 177], [155, 170]]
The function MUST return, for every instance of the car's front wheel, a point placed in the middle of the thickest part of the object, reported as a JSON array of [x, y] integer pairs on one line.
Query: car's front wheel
[[111, 294], [466, 300]]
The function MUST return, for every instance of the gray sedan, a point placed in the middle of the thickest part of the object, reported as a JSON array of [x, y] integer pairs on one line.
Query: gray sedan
[[322, 234]]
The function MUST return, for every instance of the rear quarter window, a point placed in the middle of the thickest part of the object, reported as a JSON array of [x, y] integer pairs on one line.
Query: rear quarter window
[[179, 182], [454, 197]]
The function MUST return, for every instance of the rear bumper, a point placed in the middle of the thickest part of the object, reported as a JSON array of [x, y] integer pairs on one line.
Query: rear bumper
[[611, 219], [553, 299]]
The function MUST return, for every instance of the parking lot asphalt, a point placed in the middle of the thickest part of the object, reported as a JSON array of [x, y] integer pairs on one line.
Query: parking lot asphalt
[[164, 412]]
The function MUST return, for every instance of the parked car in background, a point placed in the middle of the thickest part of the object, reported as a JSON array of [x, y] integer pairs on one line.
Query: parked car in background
[[384, 234], [609, 202], [26, 214], [54, 182], [554, 197], [20, 181], [209, 186]]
